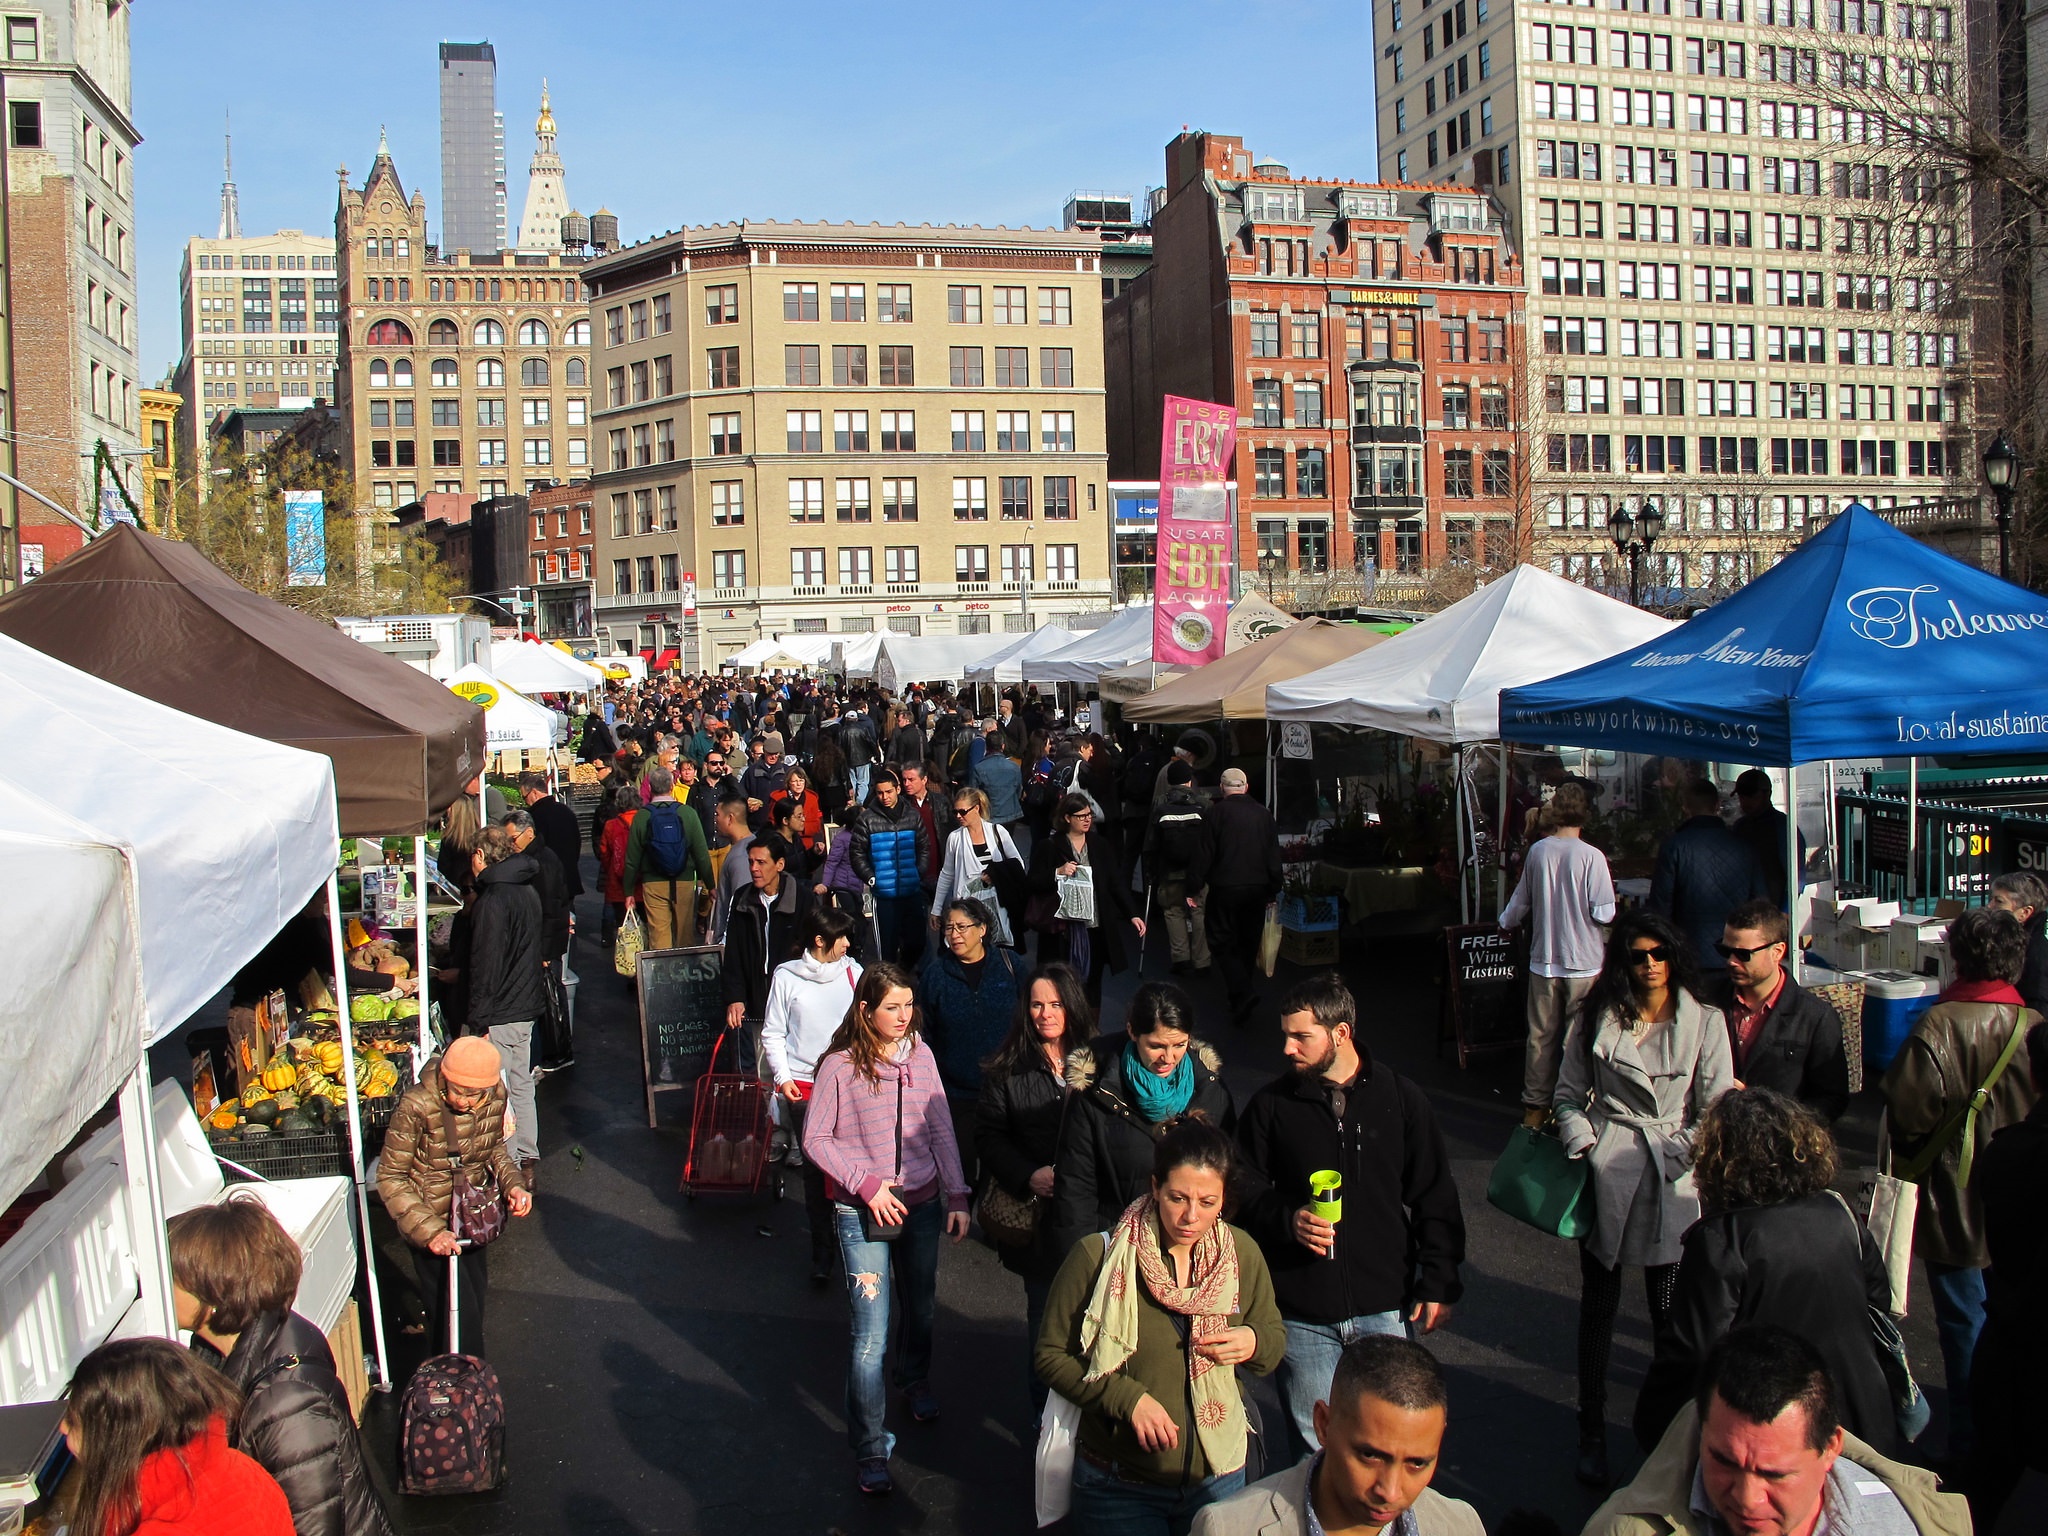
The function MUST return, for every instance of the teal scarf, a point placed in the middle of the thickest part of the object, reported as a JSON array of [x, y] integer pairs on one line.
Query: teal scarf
[[1159, 1098]]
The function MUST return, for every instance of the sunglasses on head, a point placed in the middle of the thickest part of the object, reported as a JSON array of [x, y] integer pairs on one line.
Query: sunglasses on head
[[1662, 954], [1737, 953]]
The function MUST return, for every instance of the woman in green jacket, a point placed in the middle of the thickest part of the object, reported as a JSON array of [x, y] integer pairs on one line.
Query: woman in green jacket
[[1144, 1329]]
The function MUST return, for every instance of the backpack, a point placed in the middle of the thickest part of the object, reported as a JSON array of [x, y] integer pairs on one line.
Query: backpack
[[451, 1436], [668, 850]]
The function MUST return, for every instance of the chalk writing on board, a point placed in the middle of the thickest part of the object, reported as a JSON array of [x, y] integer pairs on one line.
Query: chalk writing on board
[[682, 1010]]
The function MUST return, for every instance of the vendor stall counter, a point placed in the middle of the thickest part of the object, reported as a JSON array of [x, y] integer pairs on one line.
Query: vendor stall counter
[[1370, 889]]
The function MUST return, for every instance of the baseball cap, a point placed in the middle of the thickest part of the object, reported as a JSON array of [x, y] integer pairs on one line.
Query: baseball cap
[[1234, 780]]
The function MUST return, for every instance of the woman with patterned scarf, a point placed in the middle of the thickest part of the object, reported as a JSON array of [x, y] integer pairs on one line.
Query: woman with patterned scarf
[[1143, 1331]]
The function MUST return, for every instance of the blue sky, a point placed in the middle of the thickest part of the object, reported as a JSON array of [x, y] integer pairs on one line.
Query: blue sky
[[675, 114]]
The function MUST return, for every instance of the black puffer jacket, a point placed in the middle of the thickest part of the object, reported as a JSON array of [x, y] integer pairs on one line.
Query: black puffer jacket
[[505, 953], [295, 1423], [1106, 1146], [1017, 1122]]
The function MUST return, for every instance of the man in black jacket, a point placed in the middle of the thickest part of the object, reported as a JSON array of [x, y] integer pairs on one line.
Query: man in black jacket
[[1392, 1256], [763, 930], [1175, 842], [1704, 871], [2026, 898], [1242, 874], [507, 987], [556, 826], [1782, 1036], [557, 921]]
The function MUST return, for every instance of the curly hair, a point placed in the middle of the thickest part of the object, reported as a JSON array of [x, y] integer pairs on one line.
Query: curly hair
[[1757, 1146]]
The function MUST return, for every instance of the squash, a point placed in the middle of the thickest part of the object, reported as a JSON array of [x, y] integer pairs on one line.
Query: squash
[[319, 1109], [265, 1112], [255, 1093], [279, 1075], [330, 1056], [224, 1118]]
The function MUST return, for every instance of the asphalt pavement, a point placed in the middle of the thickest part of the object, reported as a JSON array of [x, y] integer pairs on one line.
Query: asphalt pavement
[[668, 1368]]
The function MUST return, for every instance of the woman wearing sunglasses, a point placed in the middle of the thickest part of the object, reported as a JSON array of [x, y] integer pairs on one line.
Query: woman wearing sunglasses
[[1643, 1060]]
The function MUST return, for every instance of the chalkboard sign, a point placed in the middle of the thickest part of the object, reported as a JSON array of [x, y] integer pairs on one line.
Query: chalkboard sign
[[682, 1010], [1485, 1000]]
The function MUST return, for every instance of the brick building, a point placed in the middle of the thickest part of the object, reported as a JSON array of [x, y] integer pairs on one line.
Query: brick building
[[560, 550], [1369, 337]]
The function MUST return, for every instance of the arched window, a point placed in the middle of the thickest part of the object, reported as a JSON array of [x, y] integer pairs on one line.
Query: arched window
[[490, 374], [489, 333], [533, 333], [380, 374], [573, 371], [401, 373], [442, 333], [389, 333], [533, 372], [445, 374], [577, 335]]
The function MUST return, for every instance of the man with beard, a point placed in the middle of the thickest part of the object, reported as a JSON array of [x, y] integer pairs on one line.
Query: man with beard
[[1391, 1257]]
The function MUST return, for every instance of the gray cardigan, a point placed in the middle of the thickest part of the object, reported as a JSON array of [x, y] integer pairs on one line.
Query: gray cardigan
[[1278, 1506]]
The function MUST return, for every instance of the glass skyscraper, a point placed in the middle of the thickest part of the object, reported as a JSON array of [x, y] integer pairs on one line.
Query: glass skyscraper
[[472, 150]]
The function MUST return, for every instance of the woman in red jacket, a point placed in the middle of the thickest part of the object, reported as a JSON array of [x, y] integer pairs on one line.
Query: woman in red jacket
[[148, 1423], [611, 856], [798, 787]]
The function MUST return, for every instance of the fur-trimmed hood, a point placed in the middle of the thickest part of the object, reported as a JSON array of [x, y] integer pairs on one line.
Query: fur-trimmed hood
[[1101, 1062]]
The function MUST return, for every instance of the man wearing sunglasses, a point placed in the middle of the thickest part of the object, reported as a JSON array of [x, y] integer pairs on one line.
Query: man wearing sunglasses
[[1782, 1036]]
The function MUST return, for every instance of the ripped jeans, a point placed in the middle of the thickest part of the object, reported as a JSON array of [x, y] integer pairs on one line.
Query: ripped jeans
[[912, 1261]]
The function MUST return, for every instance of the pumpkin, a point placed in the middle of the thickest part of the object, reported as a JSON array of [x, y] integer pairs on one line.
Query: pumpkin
[[279, 1075], [223, 1119], [330, 1056], [255, 1093]]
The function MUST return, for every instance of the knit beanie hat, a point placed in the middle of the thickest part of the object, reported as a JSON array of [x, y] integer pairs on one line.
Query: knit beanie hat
[[470, 1062]]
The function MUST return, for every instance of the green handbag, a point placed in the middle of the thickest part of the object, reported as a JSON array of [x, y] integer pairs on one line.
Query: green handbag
[[1535, 1183]]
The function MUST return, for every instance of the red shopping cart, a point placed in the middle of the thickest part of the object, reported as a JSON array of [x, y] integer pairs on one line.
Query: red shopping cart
[[728, 1129]]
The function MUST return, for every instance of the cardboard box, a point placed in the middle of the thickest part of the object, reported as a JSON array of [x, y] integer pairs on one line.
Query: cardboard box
[[1869, 912], [1904, 945]]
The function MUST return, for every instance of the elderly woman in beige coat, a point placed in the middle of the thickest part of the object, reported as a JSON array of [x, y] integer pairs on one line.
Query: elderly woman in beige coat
[[1643, 1060]]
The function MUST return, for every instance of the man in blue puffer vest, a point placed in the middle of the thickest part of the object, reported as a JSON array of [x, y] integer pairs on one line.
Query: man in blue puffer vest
[[890, 849]]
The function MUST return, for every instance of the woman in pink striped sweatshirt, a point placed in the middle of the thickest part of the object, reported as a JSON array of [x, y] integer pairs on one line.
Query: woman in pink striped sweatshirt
[[879, 1130]]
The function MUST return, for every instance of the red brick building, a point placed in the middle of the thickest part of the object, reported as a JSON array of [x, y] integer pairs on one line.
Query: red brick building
[[1370, 337], [559, 548]]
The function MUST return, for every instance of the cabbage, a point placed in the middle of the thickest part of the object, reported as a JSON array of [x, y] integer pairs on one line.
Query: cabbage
[[368, 1009], [405, 1008]]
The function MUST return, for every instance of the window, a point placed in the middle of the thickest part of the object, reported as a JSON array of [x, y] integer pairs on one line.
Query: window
[[800, 365], [1013, 431], [807, 567], [1310, 477], [1497, 472], [643, 447], [1265, 337], [970, 433], [805, 431], [1010, 306], [575, 371], [892, 303], [617, 444], [724, 367], [1013, 367], [1056, 367], [1270, 472], [896, 367], [1457, 404], [722, 304], [25, 124], [970, 501], [1016, 566], [856, 567], [899, 564], [850, 501], [615, 386], [849, 301], [488, 333], [728, 503], [622, 578], [963, 364], [1056, 431], [21, 40], [729, 568], [970, 563], [849, 431], [665, 441], [799, 301], [1055, 306], [1058, 503], [963, 305], [646, 572], [664, 376], [489, 413], [899, 505], [533, 333], [1307, 337], [899, 432], [849, 366], [807, 501], [490, 374], [538, 450], [1014, 493], [615, 327], [724, 434], [663, 318]]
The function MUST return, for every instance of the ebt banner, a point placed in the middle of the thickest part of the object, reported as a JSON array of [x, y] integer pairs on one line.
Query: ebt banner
[[1197, 450]]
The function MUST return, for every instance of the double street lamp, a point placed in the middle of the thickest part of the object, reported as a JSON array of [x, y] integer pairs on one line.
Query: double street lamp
[[2001, 473], [1635, 534]]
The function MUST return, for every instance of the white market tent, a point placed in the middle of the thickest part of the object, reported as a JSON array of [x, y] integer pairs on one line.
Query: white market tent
[[783, 653], [1442, 679], [1125, 639], [899, 660], [151, 856], [857, 656], [1007, 665], [531, 668], [512, 722]]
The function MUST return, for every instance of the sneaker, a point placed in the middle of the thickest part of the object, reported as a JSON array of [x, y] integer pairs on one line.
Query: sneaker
[[794, 1157], [873, 1476], [922, 1401]]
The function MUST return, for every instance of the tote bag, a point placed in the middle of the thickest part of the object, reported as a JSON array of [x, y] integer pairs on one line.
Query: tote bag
[[1053, 1467], [1538, 1185]]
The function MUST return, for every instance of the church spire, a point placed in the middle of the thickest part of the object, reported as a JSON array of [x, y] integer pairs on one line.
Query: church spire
[[230, 203], [547, 198]]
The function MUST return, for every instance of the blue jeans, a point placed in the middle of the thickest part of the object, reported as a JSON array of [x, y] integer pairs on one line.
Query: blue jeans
[[912, 1262], [1108, 1505], [900, 923], [1311, 1364], [1958, 1319], [860, 784]]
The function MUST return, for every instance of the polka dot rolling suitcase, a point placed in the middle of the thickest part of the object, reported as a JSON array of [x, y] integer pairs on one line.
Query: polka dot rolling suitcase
[[451, 1436]]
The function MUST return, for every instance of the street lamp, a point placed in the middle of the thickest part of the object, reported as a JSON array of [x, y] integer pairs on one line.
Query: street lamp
[[1625, 527], [2001, 472]]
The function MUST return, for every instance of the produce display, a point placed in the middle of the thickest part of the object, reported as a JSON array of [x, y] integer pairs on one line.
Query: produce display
[[300, 1092]]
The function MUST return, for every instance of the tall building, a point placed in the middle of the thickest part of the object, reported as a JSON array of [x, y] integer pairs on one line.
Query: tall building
[[459, 372], [259, 318], [1369, 338], [561, 556], [1747, 311], [472, 150], [547, 199], [71, 279], [160, 464], [834, 428]]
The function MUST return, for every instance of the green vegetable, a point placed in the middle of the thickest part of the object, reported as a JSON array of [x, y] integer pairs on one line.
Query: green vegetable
[[263, 1112], [369, 1009], [406, 1008]]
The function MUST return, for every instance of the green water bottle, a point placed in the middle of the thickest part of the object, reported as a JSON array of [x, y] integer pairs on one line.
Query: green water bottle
[[1326, 1199]]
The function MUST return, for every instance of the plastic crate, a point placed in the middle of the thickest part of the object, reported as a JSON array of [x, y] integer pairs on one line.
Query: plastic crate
[[376, 1121], [1309, 914], [313, 1155], [1308, 948]]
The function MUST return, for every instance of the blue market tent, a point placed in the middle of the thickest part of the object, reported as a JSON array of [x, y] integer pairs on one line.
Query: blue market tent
[[1863, 642]]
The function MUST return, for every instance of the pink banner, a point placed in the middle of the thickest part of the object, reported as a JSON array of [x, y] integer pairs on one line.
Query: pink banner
[[1197, 455]]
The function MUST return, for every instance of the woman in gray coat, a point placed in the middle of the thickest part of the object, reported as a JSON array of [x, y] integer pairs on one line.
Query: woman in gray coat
[[1643, 1060]]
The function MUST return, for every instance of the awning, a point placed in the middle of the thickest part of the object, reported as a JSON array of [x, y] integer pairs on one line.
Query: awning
[[1234, 688]]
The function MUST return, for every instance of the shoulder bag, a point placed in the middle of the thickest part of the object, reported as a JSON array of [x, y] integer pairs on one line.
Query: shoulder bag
[[871, 1230], [1008, 1221], [1910, 1410], [476, 1208], [1538, 1185]]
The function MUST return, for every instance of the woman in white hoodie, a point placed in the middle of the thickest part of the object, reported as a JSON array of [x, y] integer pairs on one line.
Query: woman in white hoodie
[[807, 1000]]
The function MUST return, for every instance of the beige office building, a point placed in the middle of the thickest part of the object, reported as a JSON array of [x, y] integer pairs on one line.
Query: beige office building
[[840, 428], [1744, 309]]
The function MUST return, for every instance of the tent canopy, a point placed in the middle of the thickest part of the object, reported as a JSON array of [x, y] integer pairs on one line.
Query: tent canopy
[[154, 617], [1442, 679], [1007, 664], [784, 652], [532, 668], [904, 659], [1862, 642], [512, 721], [1126, 638], [1235, 687]]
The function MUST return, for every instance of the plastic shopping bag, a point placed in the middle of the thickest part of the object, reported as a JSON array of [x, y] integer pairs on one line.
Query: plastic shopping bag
[[1269, 939], [1053, 1470], [627, 946]]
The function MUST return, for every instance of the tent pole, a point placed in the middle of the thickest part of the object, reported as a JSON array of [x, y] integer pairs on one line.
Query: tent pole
[[1458, 824], [1793, 954], [419, 886], [1500, 834], [1912, 828], [355, 1124], [146, 1200]]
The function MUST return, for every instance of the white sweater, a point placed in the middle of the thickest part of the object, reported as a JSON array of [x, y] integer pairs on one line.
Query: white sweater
[[1568, 893], [806, 1003]]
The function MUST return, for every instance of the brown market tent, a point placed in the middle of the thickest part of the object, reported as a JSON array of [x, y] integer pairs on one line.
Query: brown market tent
[[1235, 687], [155, 617]]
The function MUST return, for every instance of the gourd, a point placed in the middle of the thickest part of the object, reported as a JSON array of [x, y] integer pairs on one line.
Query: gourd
[[279, 1075]]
